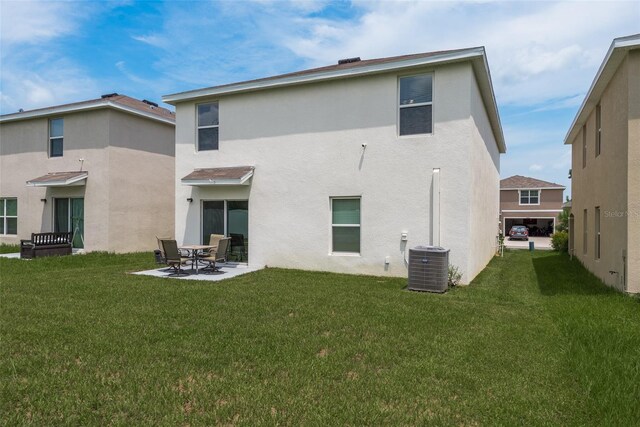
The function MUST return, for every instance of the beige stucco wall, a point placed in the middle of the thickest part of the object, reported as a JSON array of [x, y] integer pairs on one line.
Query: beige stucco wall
[[87, 135], [604, 183], [141, 182], [633, 166], [306, 145], [549, 200]]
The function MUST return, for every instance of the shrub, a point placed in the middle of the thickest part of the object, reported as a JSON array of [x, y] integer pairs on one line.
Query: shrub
[[454, 275], [560, 241]]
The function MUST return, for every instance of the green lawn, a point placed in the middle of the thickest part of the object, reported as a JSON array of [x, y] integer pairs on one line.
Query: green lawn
[[535, 340]]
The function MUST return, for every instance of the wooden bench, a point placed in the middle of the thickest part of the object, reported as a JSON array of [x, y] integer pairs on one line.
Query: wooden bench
[[46, 244]]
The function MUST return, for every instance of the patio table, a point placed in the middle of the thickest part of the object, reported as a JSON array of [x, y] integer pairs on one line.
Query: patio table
[[193, 253]]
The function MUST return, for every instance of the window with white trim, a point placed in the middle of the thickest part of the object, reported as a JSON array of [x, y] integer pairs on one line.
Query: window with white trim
[[584, 146], [585, 243], [416, 105], [345, 225], [8, 216], [598, 130], [597, 232], [208, 126], [56, 137], [529, 197]]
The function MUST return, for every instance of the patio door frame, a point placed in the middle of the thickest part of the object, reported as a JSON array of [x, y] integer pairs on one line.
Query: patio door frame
[[225, 216], [69, 215]]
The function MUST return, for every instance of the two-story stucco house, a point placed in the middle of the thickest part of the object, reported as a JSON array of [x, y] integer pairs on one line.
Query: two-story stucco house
[[344, 168], [531, 202], [604, 225], [102, 169]]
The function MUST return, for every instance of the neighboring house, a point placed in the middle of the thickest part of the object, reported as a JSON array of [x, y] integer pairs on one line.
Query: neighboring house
[[604, 225], [531, 202], [102, 169], [344, 168]]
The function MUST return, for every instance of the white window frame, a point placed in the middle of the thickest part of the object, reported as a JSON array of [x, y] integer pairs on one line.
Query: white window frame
[[4, 216], [585, 232], [597, 228], [51, 138], [598, 130], [420, 104], [584, 146], [198, 127], [338, 253], [529, 197]]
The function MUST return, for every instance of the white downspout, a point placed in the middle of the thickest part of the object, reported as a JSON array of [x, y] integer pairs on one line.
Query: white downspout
[[435, 208]]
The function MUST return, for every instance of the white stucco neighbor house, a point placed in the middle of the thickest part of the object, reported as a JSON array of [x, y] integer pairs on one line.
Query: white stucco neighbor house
[[344, 168]]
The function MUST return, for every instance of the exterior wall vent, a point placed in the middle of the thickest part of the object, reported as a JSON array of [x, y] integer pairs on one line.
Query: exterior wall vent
[[349, 60], [428, 269]]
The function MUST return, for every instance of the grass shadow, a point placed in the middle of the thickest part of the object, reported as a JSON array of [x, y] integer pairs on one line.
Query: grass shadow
[[557, 274]]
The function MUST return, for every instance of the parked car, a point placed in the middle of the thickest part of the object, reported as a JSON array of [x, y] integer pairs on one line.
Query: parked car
[[519, 232]]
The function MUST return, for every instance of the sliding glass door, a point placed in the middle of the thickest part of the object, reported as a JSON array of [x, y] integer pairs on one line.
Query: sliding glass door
[[68, 216], [231, 218]]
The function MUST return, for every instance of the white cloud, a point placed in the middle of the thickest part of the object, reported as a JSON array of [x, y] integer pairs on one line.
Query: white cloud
[[536, 167], [537, 51]]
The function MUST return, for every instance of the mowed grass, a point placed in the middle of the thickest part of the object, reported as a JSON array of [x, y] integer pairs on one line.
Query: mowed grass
[[535, 340]]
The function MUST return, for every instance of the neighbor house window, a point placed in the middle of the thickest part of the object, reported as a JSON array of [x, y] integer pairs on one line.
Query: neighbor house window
[[584, 146], [529, 197], [56, 132], [585, 243], [345, 225], [597, 232], [598, 130], [208, 126], [416, 95], [8, 216]]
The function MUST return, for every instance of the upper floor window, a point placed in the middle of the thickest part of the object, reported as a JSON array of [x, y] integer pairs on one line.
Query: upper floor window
[[56, 137], [598, 130], [8, 216], [416, 96], [529, 197], [208, 126], [584, 146]]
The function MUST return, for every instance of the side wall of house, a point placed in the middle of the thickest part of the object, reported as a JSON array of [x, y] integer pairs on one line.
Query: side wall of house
[[24, 156], [633, 165], [306, 143], [603, 183], [483, 192], [141, 182]]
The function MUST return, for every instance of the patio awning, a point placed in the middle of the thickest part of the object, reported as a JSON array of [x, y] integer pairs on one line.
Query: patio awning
[[238, 175], [59, 179]]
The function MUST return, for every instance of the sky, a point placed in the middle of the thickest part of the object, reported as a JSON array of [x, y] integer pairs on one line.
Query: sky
[[543, 56]]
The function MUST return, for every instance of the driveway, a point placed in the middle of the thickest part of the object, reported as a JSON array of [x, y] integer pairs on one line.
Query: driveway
[[538, 242]]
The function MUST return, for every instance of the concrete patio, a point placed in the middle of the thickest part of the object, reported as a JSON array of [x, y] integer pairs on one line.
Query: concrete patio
[[227, 271]]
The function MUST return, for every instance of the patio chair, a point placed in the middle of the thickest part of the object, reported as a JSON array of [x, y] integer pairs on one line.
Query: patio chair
[[214, 239], [173, 258], [216, 255]]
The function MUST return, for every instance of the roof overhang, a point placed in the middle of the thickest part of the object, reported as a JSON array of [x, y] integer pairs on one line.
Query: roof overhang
[[476, 55], [219, 176], [59, 179], [64, 109], [615, 55]]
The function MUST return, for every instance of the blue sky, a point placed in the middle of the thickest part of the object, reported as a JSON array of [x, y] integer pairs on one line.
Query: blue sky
[[543, 55]]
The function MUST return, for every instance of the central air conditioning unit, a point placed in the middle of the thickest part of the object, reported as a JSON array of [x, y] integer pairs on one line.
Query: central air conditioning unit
[[428, 269]]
